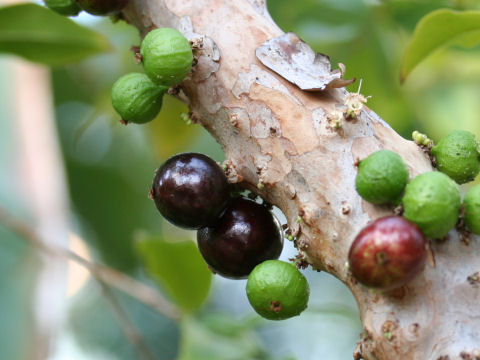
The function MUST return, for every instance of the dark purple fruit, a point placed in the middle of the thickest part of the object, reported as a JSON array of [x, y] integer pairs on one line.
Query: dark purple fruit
[[388, 253], [246, 235], [190, 190], [102, 7]]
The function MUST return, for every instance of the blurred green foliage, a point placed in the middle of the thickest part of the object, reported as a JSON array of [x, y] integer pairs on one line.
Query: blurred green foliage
[[431, 34], [169, 137], [110, 168], [17, 266], [96, 327], [234, 339], [178, 267], [43, 36], [18, 263]]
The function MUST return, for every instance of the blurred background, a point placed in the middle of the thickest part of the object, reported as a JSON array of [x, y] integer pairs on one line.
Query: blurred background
[[70, 171]]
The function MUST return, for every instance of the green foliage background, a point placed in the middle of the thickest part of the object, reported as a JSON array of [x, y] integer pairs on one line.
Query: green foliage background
[[110, 168]]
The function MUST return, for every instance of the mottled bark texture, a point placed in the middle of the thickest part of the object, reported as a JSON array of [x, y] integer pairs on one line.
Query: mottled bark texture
[[296, 149]]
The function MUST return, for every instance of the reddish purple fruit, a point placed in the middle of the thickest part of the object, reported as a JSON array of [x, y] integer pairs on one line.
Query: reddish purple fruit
[[246, 235], [388, 253], [102, 7], [190, 190]]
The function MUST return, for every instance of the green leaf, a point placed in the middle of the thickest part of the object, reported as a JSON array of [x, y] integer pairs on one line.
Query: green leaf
[[178, 267], [41, 35], [437, 29]]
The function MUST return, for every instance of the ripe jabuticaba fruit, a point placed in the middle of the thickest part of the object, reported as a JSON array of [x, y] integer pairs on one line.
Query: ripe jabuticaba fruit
[[246, 235], [190, 190], [387, 253]]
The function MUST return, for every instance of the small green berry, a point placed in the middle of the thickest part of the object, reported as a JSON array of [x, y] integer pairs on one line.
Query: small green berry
[[471, 203], [457, 156], [136, 98], [166, 56], [432, 201], [277, 290], [63, 7], [382, 177]]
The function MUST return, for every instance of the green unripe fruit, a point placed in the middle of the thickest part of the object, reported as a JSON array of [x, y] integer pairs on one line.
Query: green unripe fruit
[[166, 56], [432, 201], [457, 156], [277, 290], [382, 177], [471, 203], [102, 7], [63, 7], [136, 98]]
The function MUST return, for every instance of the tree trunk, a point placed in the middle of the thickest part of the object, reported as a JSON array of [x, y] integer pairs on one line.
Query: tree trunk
[[281, 142]]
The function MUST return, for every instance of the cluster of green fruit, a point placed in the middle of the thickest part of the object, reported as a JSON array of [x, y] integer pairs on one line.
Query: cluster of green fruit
[[167, 57], [94, 7], [236, 236], [392, 250]]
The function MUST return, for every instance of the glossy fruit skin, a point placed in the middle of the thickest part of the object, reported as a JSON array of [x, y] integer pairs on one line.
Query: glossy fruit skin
[[136, 98], [102, 7], [277, 290], [190, 190], [432, 201], [382, 177], [63, 7], [387, 253], [457, 156], [166, 56], [471, 202], [247, 234]]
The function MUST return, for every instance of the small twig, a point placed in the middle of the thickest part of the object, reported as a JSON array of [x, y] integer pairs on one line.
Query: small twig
[[130, 331], [101, 273]]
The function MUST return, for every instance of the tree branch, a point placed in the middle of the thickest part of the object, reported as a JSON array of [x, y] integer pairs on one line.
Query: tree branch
[[279, 141]]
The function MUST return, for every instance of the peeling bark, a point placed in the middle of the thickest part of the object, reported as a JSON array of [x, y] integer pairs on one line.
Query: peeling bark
[[279, 141], [295, 61]]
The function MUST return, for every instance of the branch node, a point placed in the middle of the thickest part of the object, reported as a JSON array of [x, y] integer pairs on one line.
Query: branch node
[[290, 191], [309, 213], [230, 169], [346, 208], [335, 119], [474, 279], [389, 328]]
